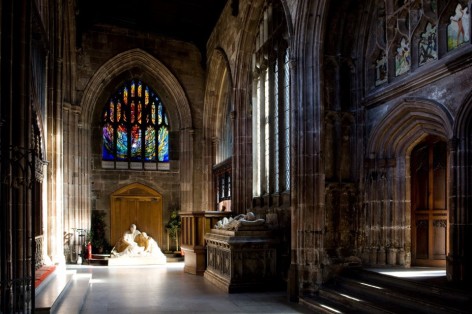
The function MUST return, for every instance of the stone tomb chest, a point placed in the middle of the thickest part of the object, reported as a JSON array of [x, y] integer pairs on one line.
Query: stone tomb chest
[[241, 260]]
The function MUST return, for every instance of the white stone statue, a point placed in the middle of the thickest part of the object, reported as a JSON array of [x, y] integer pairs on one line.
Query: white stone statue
[[135, 243], [248, 219]]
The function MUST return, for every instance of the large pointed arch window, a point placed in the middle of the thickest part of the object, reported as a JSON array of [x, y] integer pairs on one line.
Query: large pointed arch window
[[271, 104], [135, 129]]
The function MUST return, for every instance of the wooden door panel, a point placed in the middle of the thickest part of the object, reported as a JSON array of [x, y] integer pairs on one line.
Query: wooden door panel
[[429, 204], [422, 243], [137, 206], [439, 239]]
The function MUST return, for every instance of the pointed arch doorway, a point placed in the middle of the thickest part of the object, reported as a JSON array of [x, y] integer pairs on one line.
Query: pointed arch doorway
[[138, 204], [429, 219]]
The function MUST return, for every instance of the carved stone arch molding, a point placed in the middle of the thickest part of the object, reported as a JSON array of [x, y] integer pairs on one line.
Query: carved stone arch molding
[[408, 123], [144, 63], [218, 78], [218, 97], [460, 255], [389, 148]]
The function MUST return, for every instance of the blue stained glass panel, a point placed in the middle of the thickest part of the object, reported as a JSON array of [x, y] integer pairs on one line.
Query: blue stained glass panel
[[122, 143], [163, 144], [159, 114], [107, 152]]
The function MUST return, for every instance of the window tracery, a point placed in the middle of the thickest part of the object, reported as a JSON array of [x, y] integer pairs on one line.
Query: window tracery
[[271, 104], [135, 129], [408, 34]]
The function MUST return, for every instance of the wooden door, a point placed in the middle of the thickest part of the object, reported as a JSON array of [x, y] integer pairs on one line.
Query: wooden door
[[135, 205], [429, 204]]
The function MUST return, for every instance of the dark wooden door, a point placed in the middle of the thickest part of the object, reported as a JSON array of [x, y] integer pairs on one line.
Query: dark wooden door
[[429, 204]]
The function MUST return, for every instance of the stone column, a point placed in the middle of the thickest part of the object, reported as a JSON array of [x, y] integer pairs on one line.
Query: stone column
[[186, 170], [460, 223], [242, 155]]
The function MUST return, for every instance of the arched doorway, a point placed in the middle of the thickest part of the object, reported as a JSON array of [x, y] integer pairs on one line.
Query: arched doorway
[[138, 204], [429, 209]]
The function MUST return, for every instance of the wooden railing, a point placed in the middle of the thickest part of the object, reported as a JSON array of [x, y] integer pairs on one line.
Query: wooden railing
[[194, 226]]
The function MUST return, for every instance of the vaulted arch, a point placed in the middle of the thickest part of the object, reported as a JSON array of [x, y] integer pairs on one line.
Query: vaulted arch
[[147, 64], [408, 123], [217, 120]]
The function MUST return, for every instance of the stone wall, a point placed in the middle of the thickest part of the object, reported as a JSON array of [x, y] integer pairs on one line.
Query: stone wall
[[178, 80]]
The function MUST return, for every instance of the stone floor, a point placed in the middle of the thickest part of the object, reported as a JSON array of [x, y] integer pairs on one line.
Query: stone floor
[[166, 289]]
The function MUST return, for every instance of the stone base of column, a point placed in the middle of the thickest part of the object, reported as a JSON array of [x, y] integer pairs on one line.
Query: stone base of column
[[194, 260], [456, 269]]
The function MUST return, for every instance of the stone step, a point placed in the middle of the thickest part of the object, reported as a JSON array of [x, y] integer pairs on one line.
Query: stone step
[[323, 305], [103, 260], [419, 295], [370, 292], [49, 292], [72, 300], [174, 257]]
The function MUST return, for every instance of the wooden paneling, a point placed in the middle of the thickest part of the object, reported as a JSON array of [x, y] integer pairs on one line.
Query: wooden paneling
[[141, 206], [429, 204]]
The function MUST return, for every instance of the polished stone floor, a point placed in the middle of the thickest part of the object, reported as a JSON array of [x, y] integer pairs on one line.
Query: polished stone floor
[[167, 289]]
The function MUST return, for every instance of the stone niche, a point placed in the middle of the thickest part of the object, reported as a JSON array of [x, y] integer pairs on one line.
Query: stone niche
[[242, 260]]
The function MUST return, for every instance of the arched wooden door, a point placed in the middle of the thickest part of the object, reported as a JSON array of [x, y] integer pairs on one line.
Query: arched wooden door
[[138, 204], [429, 223]]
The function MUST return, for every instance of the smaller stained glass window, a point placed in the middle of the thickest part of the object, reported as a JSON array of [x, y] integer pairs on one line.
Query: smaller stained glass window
[[428, 49], [381, 69], [402, 57], [458, 31]]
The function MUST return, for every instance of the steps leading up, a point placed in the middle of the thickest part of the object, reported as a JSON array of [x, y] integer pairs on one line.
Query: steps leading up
[[49, 291], [73, 298], [362, 291], [62, 284]]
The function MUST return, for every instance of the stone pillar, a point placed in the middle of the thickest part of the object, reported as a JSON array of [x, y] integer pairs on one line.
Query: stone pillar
[[242, 155], [76, 187], [460, 223], [186, 170], [55, 196]]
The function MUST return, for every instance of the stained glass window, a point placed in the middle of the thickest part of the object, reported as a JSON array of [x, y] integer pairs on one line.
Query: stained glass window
[[402, 57], [409, 34], [428, 49], [135, 127], [458, 30]]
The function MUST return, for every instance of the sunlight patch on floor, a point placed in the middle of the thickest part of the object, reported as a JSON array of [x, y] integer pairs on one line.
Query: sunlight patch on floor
[[412, 272]]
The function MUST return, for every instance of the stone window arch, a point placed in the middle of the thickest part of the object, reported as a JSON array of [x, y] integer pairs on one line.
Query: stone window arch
[[271, 104]]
